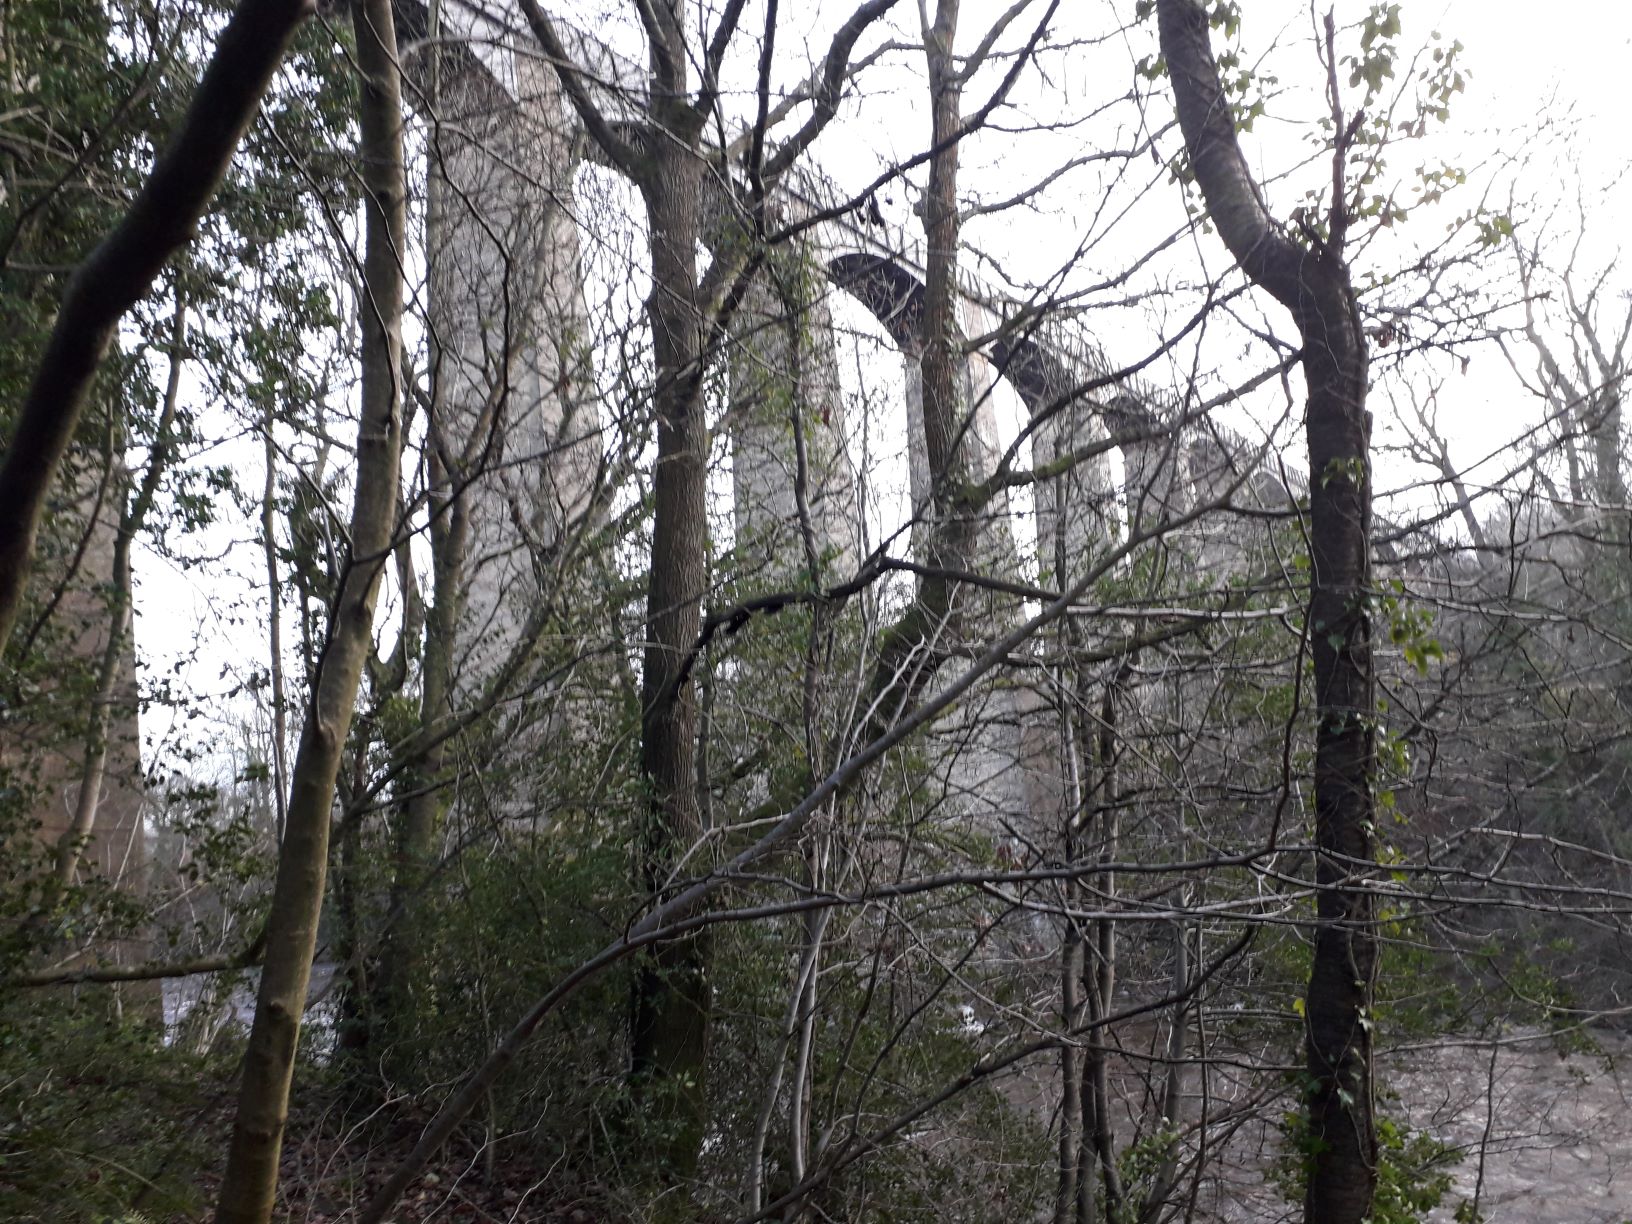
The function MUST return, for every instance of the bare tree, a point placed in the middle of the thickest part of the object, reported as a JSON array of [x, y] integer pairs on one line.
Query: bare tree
[[966, 879], [1311, 279], [666, 159]]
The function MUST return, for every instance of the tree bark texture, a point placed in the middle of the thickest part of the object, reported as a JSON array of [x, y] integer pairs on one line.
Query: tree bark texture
[[947, 441], [1313, 283], [420, 813], [672, 998], [249, 1187], [122, 268], [419, 818], [949, 543]]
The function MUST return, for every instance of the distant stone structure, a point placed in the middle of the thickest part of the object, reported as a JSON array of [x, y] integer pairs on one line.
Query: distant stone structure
[[504, 236], [509, 340], [507, 319], [44, 741]]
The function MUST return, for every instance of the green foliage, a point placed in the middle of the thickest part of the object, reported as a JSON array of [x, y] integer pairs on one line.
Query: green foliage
[[1413, 1168], [1494, 228], [1142, 1164], [514, 921], [64, 124], [1410, 627], [1413, 1174], [38, 916], [97, 1117], [1378, 51]]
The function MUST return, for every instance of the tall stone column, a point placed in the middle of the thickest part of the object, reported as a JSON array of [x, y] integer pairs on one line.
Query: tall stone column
[[1156, 481], [787, 427], [48, 730], [980, 443], [510, 347]]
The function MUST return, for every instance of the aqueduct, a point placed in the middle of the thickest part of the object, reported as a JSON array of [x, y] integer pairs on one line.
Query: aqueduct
[[508, 324]]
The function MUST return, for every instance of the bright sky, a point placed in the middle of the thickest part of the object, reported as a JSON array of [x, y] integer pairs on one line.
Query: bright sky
[[1544, 97]]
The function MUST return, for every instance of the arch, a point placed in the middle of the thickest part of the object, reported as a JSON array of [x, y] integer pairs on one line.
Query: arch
[[885, 277]]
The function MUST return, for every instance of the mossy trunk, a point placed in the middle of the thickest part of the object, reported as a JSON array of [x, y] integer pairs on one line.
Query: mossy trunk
[[249, 1187]]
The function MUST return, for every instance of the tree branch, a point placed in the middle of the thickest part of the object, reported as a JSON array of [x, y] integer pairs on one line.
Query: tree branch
[[119, 272], [618, 150], [1264, 251]]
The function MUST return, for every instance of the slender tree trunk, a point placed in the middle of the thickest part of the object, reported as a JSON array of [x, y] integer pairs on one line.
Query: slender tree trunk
[[449, 507], [1065, 1193], [1082, 994], [1609, 378], [946, 435], [352, 1029], [80, 830], [1101, 968], [249, 1187], [1167, 1172], [1313, 283], [1074, 1198], [673, 996], [420, 815], [799, 1098], [671, 1004], [274, 624], [1606, 446], [423, 808], [793, 1027], [950, 540]]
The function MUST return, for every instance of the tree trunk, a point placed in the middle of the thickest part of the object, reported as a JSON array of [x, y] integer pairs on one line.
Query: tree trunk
[[1167, 1171], [1099, 967], [249, 1187], [420, 816], [103, 700], [274, 622], [1343, 1173], [1314, 284], [449, 415], [947, 440], [1071, 1137], [950, 539], [673, 996]]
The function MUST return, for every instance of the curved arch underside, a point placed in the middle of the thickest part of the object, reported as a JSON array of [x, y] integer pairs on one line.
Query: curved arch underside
[[1049, 363], [888, 281]]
